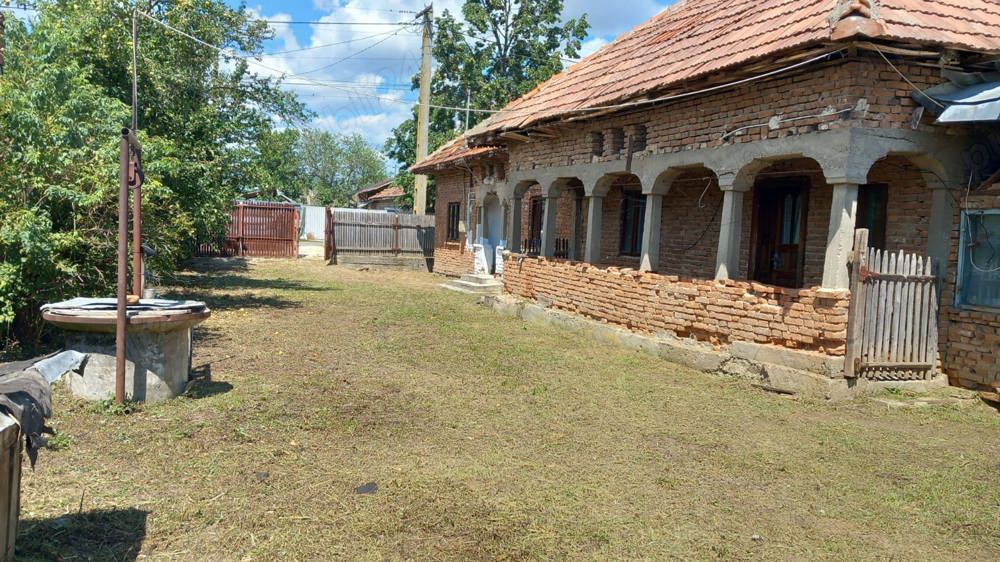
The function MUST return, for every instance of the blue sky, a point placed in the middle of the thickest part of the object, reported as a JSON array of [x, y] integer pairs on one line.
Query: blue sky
[[365, 70]]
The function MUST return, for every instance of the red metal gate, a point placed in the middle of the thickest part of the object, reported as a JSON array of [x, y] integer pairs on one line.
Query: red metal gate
[[266, 230]]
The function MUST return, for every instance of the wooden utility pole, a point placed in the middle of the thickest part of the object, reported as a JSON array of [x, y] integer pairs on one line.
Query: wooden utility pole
[[423, 111]]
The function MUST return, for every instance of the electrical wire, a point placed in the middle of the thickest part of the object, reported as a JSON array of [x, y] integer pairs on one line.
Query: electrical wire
[[352, 55], [373, 36], [904, 77]]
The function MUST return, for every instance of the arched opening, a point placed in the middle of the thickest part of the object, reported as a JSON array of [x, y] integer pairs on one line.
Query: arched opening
[[622, 221], [895, 205], [788, 216], [691, 220]]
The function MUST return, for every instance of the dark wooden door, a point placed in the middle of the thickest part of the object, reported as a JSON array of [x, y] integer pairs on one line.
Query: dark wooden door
[[779, 231]]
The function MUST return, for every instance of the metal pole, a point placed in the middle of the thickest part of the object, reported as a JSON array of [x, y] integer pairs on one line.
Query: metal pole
[[423, 112], [122, 318], [137, 266]]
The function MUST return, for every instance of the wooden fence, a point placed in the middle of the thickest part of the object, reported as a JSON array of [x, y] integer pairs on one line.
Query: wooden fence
[[267, 230], [893, 327], [378, 233], [10, 484]]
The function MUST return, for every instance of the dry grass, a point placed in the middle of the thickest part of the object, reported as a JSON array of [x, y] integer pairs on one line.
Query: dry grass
[[489, 439]]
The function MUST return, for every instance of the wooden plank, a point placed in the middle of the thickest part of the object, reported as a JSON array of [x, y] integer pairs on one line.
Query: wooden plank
[[906, 337], [920, 318], [932, 340], [856, 313]]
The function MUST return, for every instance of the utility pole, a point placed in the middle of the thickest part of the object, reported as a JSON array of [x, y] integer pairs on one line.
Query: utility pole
[[423, 111]]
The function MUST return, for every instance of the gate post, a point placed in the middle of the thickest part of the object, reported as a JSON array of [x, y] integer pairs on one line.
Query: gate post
[[856, 314]]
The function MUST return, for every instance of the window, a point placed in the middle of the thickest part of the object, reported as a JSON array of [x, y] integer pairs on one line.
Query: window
[[536, 216], [454, 214], [633, 218], [873, 206], [979, 259], [637, 138]]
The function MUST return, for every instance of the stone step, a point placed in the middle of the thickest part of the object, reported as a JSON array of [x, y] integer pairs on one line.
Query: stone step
[[461, 286]]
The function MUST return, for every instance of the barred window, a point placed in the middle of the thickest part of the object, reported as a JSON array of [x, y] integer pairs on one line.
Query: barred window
[[454, 214]]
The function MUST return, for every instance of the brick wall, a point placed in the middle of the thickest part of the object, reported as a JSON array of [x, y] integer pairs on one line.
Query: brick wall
[[908, 215], [451, 257], [701, 121], [713, 312], [970, 338]]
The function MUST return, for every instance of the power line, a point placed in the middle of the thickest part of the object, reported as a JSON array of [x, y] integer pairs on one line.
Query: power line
[[515, 111], [332, 44], [345, 23], [350, 56]]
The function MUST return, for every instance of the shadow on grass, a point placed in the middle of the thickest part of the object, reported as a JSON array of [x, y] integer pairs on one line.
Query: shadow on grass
[[201, 384], [114, 534], [236, 301]]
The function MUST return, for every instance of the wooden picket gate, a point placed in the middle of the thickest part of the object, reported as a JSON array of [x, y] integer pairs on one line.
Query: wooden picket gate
[[893, 326]]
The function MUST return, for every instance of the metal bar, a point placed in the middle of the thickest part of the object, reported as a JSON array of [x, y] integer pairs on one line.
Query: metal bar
[[122, 317]]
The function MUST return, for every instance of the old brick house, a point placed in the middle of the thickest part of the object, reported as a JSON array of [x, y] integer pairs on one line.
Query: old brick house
[[702, 178]]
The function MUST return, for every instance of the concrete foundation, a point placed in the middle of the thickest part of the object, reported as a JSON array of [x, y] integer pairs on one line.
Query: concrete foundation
[[773, 368], [403, 262], [158, 364]]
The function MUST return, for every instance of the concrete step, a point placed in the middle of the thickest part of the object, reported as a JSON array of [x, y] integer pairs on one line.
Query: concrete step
[[480, 279], [461, 286]]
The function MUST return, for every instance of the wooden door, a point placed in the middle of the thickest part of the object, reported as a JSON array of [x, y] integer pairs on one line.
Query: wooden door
[[778, 252]]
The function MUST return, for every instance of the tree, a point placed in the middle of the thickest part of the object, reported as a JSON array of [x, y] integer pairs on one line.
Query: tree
[[205, 121], [502, 50], [334, 166]]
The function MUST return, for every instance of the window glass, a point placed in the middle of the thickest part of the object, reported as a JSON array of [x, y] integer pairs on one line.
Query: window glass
[[979, 259], [791, 219]]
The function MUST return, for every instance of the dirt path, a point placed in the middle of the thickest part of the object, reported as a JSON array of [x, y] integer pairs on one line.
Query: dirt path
[[487, 438]]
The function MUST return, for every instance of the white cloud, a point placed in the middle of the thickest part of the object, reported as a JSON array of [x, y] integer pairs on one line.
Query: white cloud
[[365, 71]]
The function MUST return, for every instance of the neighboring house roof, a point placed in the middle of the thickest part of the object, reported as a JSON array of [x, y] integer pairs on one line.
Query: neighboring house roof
[[390, 192], [453, 151], [374, 188], [695, 38]]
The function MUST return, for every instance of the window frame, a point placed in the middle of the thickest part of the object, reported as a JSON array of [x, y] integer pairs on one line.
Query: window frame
[[633, 203], [963, 242], [454, 220]]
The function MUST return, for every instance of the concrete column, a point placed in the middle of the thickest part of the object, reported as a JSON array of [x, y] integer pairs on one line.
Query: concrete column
[[515, 225], [727, 259], [840, 241], [549, 226], [651, 234], [574, 233], [942, 222], [595, 209]]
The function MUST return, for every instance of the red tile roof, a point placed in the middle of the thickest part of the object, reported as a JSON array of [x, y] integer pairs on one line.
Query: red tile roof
[[695, 38], [390, 192], [453, 151]]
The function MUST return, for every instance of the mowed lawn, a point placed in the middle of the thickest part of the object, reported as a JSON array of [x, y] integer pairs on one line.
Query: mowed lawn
[[488, 438]]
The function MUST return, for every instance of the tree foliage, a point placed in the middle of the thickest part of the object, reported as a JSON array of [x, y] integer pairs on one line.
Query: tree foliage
[[334, 166], [501, 50], [63, 100]]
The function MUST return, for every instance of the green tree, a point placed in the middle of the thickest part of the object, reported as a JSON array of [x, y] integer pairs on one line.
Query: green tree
[[334, 166], [204, 120], [502, 50]]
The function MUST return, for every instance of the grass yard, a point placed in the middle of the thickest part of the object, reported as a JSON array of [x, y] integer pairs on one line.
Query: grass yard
[[488, 438]]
